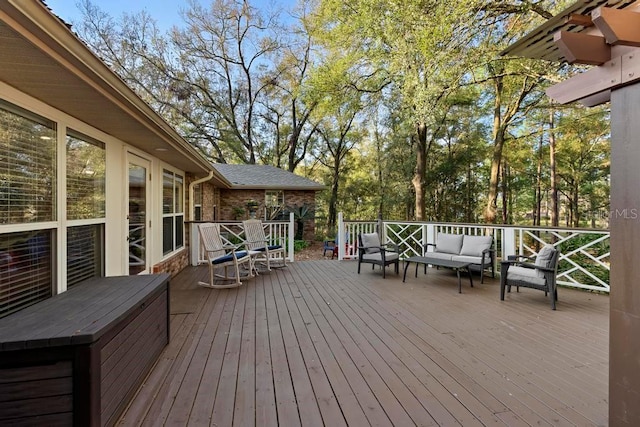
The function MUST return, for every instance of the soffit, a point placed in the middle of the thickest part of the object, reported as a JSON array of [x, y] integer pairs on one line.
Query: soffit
[[539, 43]]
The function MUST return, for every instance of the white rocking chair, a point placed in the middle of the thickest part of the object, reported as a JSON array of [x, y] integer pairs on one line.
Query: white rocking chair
[[259, 247], [219, 255]]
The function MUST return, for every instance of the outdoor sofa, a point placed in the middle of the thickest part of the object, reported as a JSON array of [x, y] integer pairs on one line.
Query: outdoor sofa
[[477, 250]]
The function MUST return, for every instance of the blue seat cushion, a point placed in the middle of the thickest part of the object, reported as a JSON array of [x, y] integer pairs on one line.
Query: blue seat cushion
[[229, 257], [271, 248]]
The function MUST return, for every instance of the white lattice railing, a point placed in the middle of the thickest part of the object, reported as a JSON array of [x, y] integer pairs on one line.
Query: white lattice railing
[[584, 253], [278, 232]]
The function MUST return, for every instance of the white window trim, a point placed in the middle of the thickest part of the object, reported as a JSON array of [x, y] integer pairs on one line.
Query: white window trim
[[161, 215]]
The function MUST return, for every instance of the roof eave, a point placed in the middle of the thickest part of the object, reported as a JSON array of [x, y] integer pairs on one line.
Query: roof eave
[[36, 23]]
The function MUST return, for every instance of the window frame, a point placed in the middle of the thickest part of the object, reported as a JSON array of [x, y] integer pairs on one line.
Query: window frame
[[268, 207], [177, 217]]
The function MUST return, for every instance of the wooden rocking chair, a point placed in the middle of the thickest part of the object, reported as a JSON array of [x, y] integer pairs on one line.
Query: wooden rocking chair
[[259, 247], [219, 254]]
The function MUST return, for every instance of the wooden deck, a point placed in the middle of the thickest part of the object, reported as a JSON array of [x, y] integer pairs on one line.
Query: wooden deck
[[317, 344]]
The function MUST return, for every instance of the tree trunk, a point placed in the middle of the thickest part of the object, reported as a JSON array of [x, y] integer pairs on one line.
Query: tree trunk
[[538, 193], [333, 199], [576, 204], [555, 210], [469, 215], [491, 210], [420, 171], [506, 197]]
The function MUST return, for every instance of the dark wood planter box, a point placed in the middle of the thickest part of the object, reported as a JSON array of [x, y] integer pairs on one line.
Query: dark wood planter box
[[78, 358]]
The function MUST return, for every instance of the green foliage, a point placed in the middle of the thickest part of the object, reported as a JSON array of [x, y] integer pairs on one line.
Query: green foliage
[[341, 92], [299, 245]]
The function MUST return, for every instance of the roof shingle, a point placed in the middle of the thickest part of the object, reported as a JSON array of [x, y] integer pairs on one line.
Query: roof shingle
[[265, 177]]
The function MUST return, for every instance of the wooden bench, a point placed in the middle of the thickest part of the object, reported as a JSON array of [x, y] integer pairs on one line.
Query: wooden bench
[[79, 357]]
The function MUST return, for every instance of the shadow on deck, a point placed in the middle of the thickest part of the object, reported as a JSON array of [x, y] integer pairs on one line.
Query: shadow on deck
[[317, 344]]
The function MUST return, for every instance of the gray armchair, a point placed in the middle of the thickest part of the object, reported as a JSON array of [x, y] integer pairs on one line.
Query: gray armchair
[[538, 275], [371, 251]]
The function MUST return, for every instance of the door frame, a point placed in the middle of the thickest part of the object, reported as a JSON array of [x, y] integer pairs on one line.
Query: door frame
[[138, 160]]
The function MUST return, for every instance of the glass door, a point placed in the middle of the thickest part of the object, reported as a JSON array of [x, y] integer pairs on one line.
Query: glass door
[[137, 215]]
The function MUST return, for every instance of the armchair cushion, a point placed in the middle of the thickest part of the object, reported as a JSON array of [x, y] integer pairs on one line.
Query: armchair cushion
[[524, 274], [475, 245], [544, 258], [449, 243], [389, 256], [371, 243]]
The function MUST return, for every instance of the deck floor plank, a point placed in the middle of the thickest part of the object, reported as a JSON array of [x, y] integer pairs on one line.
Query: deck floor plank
[[422, 366], [525, 361], [266, 414], [223, 408], [245, 401], [216, 338], [286, 404], [409, 372], [302, 382], [318, 344], [324, 396]]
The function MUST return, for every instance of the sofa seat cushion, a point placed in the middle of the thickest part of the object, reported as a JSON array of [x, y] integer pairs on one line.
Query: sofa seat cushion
[[389, 256], [439, 255], [475, 245], [471, 259], [449, 243], [524, 274]]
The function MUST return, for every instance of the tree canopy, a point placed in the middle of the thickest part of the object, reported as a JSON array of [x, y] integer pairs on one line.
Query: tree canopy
[[403, 108]]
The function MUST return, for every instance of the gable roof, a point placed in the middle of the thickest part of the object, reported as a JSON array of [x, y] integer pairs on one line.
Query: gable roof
[[264, 177]]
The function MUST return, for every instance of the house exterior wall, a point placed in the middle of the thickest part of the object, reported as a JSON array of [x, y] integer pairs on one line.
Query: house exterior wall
[[115, 232], [233, 205]]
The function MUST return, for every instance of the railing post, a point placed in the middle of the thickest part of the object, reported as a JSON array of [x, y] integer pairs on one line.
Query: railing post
[[431, 234], [341, 237], [194, 243], [508, 242], [291, 239]]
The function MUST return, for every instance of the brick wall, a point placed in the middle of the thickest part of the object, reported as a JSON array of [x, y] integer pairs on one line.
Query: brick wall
[[210, 199], [230, 199], [174, 264]]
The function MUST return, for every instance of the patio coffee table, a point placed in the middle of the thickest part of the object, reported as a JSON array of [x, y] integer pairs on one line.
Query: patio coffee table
[[455, 265]]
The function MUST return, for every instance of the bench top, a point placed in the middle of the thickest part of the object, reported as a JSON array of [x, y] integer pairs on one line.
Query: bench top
[[80, 315]]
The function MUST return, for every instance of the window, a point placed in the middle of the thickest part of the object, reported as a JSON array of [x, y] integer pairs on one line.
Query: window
[[27, 167], [27, 195], [26, 269], [197, 202], [85, 255], [274, 204], [86, 163], [172, 211]]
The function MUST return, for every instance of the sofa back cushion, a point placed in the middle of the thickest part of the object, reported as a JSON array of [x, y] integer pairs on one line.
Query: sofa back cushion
[[474, 245], [372, 241], [449, 243], [544, 258]]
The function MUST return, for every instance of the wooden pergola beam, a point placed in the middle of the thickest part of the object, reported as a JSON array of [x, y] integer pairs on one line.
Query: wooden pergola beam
[[618, 26], [594, 86], [582, 20], [589, 83], [582, 48]]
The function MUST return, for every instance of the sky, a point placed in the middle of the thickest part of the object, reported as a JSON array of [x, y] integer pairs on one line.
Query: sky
[[165, 12]]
